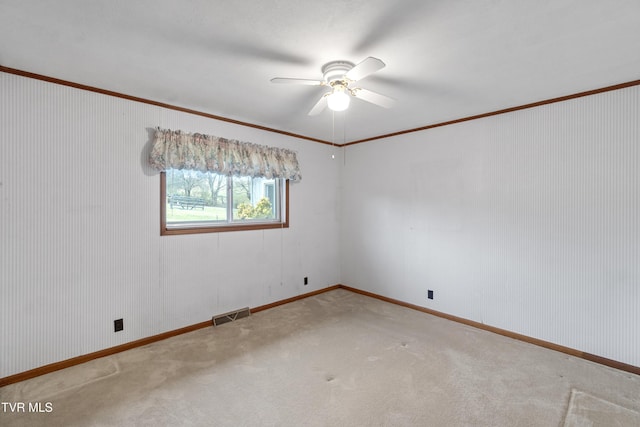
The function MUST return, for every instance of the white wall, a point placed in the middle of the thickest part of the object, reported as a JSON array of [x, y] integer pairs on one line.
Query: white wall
[[80, 239], [528, 221]]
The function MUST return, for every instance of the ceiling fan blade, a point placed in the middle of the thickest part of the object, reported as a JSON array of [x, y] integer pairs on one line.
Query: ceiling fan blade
[[286, 80], [392, 20], [258, 51], [363, 69], [320, 106], [373, 97]]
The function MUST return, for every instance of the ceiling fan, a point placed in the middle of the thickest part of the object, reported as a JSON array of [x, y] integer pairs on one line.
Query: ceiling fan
[[340, 77]]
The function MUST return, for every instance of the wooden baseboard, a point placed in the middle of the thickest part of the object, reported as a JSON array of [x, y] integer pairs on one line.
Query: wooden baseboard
[[144, 341], [138, 343], [292, 299], [98, 354], [541, 343]]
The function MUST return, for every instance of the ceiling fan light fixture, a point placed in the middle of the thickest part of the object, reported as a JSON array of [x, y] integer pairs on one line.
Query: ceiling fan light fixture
[[339, 99], [339, 76]]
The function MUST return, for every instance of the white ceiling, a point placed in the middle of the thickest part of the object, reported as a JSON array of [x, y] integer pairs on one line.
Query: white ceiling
[[446, 59]]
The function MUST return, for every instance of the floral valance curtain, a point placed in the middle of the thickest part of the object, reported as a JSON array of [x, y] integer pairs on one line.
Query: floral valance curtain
[[206, 153]]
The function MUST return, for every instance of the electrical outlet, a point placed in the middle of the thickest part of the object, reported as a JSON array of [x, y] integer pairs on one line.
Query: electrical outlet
[[306, 280], [430, 294], [118, 325]]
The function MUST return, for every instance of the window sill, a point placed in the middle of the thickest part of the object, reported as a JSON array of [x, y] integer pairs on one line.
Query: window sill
[[240, 227]]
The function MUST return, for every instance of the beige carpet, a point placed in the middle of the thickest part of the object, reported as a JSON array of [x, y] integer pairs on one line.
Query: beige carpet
[[587, 410], [336, 359]]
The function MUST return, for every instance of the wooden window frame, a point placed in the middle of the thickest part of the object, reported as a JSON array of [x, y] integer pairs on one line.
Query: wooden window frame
[[164, 231]]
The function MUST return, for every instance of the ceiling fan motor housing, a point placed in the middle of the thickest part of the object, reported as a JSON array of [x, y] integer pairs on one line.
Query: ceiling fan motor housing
[[336, 70], [339, 75]]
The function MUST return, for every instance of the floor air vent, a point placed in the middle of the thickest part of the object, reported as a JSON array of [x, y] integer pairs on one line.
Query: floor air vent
[[231, 316]]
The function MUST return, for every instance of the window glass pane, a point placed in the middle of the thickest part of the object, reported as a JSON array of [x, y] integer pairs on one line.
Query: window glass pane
[[194, 196], [255, 199], [197, 202]]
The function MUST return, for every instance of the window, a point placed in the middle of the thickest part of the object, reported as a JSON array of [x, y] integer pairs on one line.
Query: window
[[207, 202], [212, 184]]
